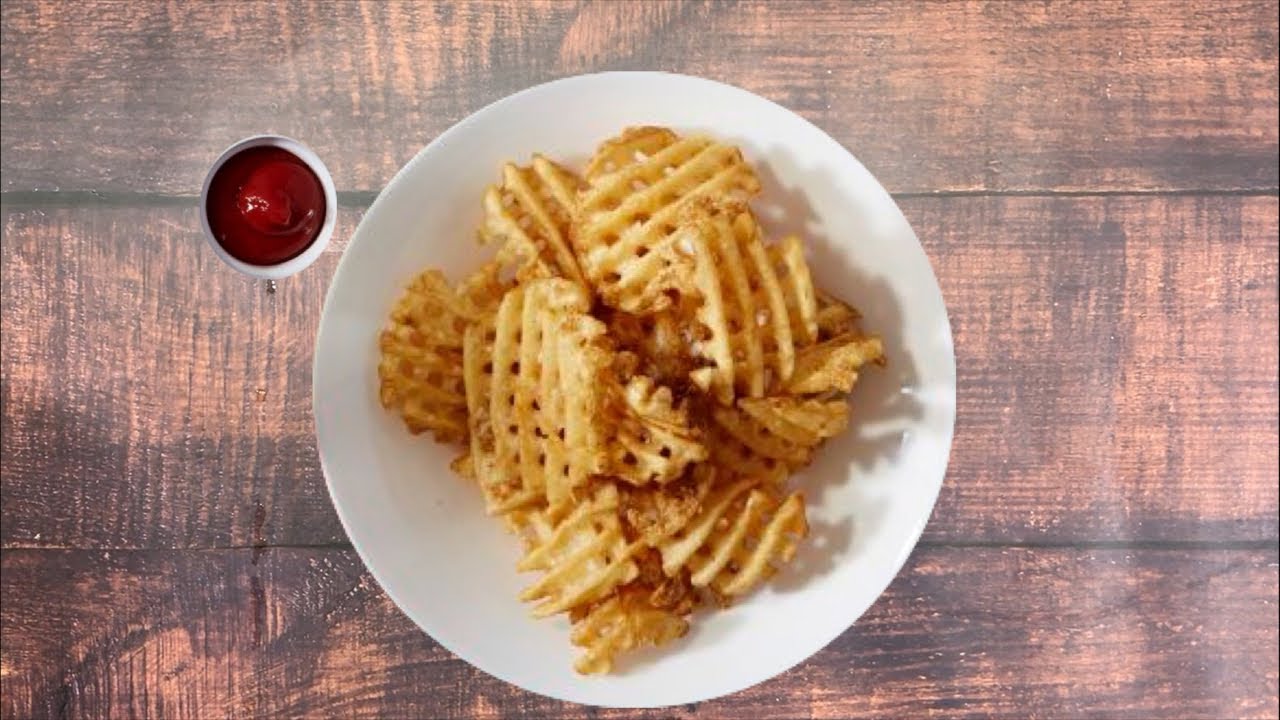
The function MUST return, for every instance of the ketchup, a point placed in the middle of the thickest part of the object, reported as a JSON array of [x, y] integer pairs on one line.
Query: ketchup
[[265, 205]]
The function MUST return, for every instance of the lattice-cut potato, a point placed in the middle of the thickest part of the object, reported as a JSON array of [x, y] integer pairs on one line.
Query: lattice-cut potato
[[633, 145], [584, 371], [625, 234], [535, 383], [652, 440], [558, 396], [661, 342], [735, 458], [792, 271], [655, 512], [477, 374], [420, 357], [742, 327], [675, 593], [783, 428], [834, 316], [528, 217], [482, 291], [832, 365], [583, 556], [769, 541], [677, 548], [624, 622], [741, 536]]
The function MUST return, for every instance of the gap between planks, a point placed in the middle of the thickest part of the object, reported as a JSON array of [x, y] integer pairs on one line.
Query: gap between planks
[[362, 199]]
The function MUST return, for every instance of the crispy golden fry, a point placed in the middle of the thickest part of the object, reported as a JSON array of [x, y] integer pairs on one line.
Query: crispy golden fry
[[584, 556], [584, 372], [743, 325], [536, 394], [661, 342], [477, 375], [419, 368], [653, 440], [655, 512], [768, 300], [783, 428], [737, 459], [787, 258], [506, 488], [673, 593], [481, 291], [529, 214], [558, 396], [754, 562], [678, 548], [624, 622], [834, 317], [525, 523], [635, 144], [625, 231], [833, 365], [796, 420], [738, 539]]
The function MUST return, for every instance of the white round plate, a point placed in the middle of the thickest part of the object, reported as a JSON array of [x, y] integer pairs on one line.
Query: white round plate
[[423, 533]]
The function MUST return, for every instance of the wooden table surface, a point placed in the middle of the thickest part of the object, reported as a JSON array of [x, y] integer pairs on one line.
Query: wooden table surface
[[1095, 184]]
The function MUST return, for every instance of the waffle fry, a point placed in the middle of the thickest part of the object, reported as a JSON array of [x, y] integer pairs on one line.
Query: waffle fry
[[631, 403], [633, 145], [533, 383], [583, 557], [833, 316], [528, 216], [660, 341], [738, 459], [625, 232], [786, 429], [787, 257], [420, 353], [770, 547], [743, 319], [738, 540], [625, 622], [654, 441], [832, 365], [653, 513]]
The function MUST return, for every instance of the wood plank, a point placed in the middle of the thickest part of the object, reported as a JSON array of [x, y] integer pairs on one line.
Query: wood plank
[[1117, 371], [1117, 367], [152, 397], [932, 97], [963, 632]]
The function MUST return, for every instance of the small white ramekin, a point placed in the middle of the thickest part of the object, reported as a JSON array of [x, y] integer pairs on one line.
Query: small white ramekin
[[294, 264]]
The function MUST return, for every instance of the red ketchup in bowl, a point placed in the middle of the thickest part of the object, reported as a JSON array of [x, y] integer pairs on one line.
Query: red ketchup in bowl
[[265, 205]]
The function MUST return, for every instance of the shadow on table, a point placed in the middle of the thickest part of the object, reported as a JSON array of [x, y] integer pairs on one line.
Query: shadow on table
[[882, 402]]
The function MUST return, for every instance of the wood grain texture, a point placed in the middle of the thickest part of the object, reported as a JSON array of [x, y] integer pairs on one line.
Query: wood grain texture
[[1117, 372], [151, 397], [1117, 367], [1027, 96], [961, 633], [1095, 184]]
